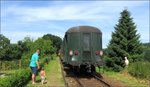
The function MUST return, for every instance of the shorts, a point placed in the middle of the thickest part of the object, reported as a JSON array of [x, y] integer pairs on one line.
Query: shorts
[[34, 70]]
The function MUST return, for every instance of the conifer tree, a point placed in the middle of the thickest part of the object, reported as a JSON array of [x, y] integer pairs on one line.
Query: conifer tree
[[125, 42]]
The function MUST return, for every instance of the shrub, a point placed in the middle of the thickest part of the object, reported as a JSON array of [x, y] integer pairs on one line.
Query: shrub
[[18, 79], [140, 69]]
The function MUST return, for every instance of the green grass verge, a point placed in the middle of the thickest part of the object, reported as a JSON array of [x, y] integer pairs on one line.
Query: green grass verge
[[126, 78]]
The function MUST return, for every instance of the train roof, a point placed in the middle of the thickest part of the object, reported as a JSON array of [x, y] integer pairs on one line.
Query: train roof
[[83, 29]]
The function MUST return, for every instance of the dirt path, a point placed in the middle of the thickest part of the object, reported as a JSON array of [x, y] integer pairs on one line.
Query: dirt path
[[53, 76]]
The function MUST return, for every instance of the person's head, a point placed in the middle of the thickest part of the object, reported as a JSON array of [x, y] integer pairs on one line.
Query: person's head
[[38, 51]]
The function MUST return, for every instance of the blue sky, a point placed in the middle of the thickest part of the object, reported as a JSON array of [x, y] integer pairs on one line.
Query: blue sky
[[36, 18]]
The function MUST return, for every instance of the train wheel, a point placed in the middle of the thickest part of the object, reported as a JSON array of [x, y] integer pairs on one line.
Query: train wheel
[[76, 69], [93, 68]]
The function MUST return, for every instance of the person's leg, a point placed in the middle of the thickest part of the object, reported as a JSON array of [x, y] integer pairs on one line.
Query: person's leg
[[42, 80], [33, 78], [34, 70]]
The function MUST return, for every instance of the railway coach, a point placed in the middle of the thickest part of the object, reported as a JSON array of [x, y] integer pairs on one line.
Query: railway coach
[[82, 48]]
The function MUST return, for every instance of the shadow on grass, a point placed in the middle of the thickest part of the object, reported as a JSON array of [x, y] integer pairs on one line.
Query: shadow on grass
[[38, 81]]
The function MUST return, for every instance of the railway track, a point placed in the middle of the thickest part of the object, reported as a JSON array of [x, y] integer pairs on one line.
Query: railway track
[[92, 80], [77, 80], [99, 77]]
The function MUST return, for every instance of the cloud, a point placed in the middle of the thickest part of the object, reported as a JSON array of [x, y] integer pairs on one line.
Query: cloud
[[34, 35], [56, 17], [91, 10], [21, 35]]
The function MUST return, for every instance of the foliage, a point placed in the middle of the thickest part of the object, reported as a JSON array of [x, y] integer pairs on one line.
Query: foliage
[[9, 51], [7, 65], [45, 46], [146, 49], [18, 79], [56, 41], [26, 46], [140, 69], [21, 76], [124, 42], [147, 44], [46, 49], [13, 52], [24, 50], [4, 43]]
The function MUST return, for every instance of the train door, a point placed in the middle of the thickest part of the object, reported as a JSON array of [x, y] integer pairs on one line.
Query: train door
[[86, 46]]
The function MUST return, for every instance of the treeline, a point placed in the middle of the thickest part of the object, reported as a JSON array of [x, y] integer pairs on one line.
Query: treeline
[[9, 51], [49, 44], [146, 48]]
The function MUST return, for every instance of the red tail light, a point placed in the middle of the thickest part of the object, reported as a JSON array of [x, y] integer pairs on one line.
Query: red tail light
[[70, 52], [76, 52], [97, 52], [101, 53]]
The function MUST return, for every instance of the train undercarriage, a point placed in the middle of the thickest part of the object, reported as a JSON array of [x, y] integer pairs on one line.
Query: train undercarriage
[[89, 68]]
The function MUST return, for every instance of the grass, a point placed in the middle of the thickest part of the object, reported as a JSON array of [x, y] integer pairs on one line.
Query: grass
[[53, 76], [127, 79], [140, 69]]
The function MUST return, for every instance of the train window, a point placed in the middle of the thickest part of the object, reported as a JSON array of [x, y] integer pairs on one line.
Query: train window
[[86, 42]]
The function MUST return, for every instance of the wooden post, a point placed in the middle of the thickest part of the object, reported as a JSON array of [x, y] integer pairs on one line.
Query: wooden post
[[0, 65], [4, 65], [19, 63]]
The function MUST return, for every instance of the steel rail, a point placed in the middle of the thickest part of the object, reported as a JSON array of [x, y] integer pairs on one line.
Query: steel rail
[[100, 80], [62, 71], [79, 83]]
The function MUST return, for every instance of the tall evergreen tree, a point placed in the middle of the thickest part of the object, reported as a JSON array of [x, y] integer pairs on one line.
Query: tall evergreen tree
[[125, 42]]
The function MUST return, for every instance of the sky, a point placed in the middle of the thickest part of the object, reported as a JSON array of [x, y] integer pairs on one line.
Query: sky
[[34, 19]]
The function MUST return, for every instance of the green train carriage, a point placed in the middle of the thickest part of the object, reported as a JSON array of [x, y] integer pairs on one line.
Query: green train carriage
[[82, 48]]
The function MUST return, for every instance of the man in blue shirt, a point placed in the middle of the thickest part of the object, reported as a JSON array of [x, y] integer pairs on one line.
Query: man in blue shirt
[[34, 64]]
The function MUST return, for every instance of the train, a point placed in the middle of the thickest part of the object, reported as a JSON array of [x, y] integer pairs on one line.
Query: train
[[82, 48]]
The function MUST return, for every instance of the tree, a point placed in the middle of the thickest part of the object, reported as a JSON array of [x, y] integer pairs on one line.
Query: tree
[[4, 43], [56, 41], [25, 44], [125, 42], [13, 52]]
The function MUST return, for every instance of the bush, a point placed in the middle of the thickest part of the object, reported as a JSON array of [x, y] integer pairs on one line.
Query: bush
[[140, 69], [147, 54], [18, 79], [110, 65]]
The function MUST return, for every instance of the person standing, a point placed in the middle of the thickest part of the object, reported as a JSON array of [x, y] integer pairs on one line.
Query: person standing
[[34, 64]]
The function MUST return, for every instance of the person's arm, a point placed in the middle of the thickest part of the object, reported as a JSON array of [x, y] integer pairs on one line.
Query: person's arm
[[44, 74], [37, 64]]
